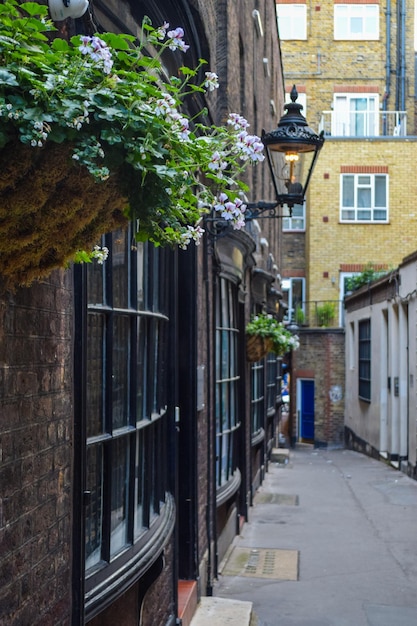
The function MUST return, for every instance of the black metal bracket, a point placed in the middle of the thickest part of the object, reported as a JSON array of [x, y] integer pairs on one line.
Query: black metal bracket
[[263, 209]]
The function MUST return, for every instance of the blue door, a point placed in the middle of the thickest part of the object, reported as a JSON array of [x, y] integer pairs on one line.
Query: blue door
[[307, 410]]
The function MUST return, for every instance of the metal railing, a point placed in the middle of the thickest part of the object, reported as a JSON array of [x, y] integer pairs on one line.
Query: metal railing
[[318, 314], [364, 124]]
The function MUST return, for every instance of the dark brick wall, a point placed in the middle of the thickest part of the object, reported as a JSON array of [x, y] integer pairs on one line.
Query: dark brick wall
[[293, 253], [321, 356], [35, 439]]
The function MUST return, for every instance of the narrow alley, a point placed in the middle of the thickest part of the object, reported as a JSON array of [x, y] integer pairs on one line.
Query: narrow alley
[[331, 541]]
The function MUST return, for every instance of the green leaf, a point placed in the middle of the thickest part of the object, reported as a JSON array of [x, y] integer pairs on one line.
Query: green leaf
[[118, 42], [81, 256], [60, 45], [7, 78], [33, 8], [187, 71]]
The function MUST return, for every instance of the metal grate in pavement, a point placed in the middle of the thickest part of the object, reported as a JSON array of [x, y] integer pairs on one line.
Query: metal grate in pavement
[[262, 563], [276, 498]]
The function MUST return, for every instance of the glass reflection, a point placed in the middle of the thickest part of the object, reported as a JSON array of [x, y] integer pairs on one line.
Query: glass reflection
[[121, 371], [94, 508], [95, 373], [119, 495]]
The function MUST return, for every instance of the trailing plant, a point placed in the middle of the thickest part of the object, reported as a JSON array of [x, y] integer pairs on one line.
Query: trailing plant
[[369, 274], [268, 327], [107, 100]]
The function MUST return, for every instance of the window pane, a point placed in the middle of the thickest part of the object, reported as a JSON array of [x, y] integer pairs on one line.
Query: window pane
[[356, 25], [119, 494], [364, 197], [224, 458], [141, 269], [380, 215], [94, 508], [95, 283], [142, 371], [348, 215], [348, 191], [365, 215], [257, 399], [272, 381], [371, 20], [380, 191], [95, 373], [292, 21], [120, 274], [156, 380], [121, 371], [364, 365], [140, 522]]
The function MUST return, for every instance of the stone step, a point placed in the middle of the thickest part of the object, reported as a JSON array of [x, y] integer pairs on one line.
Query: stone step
[[280, 455], [213, 611]]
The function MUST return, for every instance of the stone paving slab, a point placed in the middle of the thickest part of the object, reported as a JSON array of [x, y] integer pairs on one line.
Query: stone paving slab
[[262, 563], [222, 612]]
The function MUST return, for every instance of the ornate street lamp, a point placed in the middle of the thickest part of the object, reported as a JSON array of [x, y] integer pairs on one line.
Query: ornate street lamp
[[300, 146]]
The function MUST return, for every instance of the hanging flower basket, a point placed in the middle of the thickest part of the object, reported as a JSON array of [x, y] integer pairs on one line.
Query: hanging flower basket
[[50, 207], [265, 334], [257, 347], [104, 131]]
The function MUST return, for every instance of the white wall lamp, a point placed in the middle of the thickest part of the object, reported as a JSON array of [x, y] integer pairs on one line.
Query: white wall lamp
[[62, 9]]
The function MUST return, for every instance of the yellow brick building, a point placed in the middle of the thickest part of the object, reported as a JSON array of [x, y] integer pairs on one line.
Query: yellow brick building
[[353, 65]]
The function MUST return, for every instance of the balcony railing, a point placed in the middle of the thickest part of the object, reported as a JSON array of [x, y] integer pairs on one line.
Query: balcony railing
[[364, 124], [318, 314]]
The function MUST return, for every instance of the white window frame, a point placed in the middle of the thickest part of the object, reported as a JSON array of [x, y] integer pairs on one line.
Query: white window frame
[[292, 21], [295, 222], [347, 121], [287, 286], [358, 211], [347, 17], [343, 277]]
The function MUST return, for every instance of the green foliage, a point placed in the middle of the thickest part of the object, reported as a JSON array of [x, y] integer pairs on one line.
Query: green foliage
[[268, 327], [299, 315], [325, 313], [124, 119], [368, 275]]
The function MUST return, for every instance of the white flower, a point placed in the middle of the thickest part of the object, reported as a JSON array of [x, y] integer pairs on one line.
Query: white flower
[[212, 81], [100, 254]]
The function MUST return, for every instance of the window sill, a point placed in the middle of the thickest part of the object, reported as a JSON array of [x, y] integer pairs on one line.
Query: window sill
[[225, 492], [105, 586], [257, 438]]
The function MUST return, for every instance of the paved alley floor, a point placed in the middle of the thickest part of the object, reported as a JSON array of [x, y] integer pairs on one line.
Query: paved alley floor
[[331, 541]]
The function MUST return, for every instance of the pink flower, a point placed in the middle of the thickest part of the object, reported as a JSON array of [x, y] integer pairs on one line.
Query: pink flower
[[177, 42]]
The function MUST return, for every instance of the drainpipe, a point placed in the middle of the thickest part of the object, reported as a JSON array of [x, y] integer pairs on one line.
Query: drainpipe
[[211, 489], [400, 64], [388, 64]]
